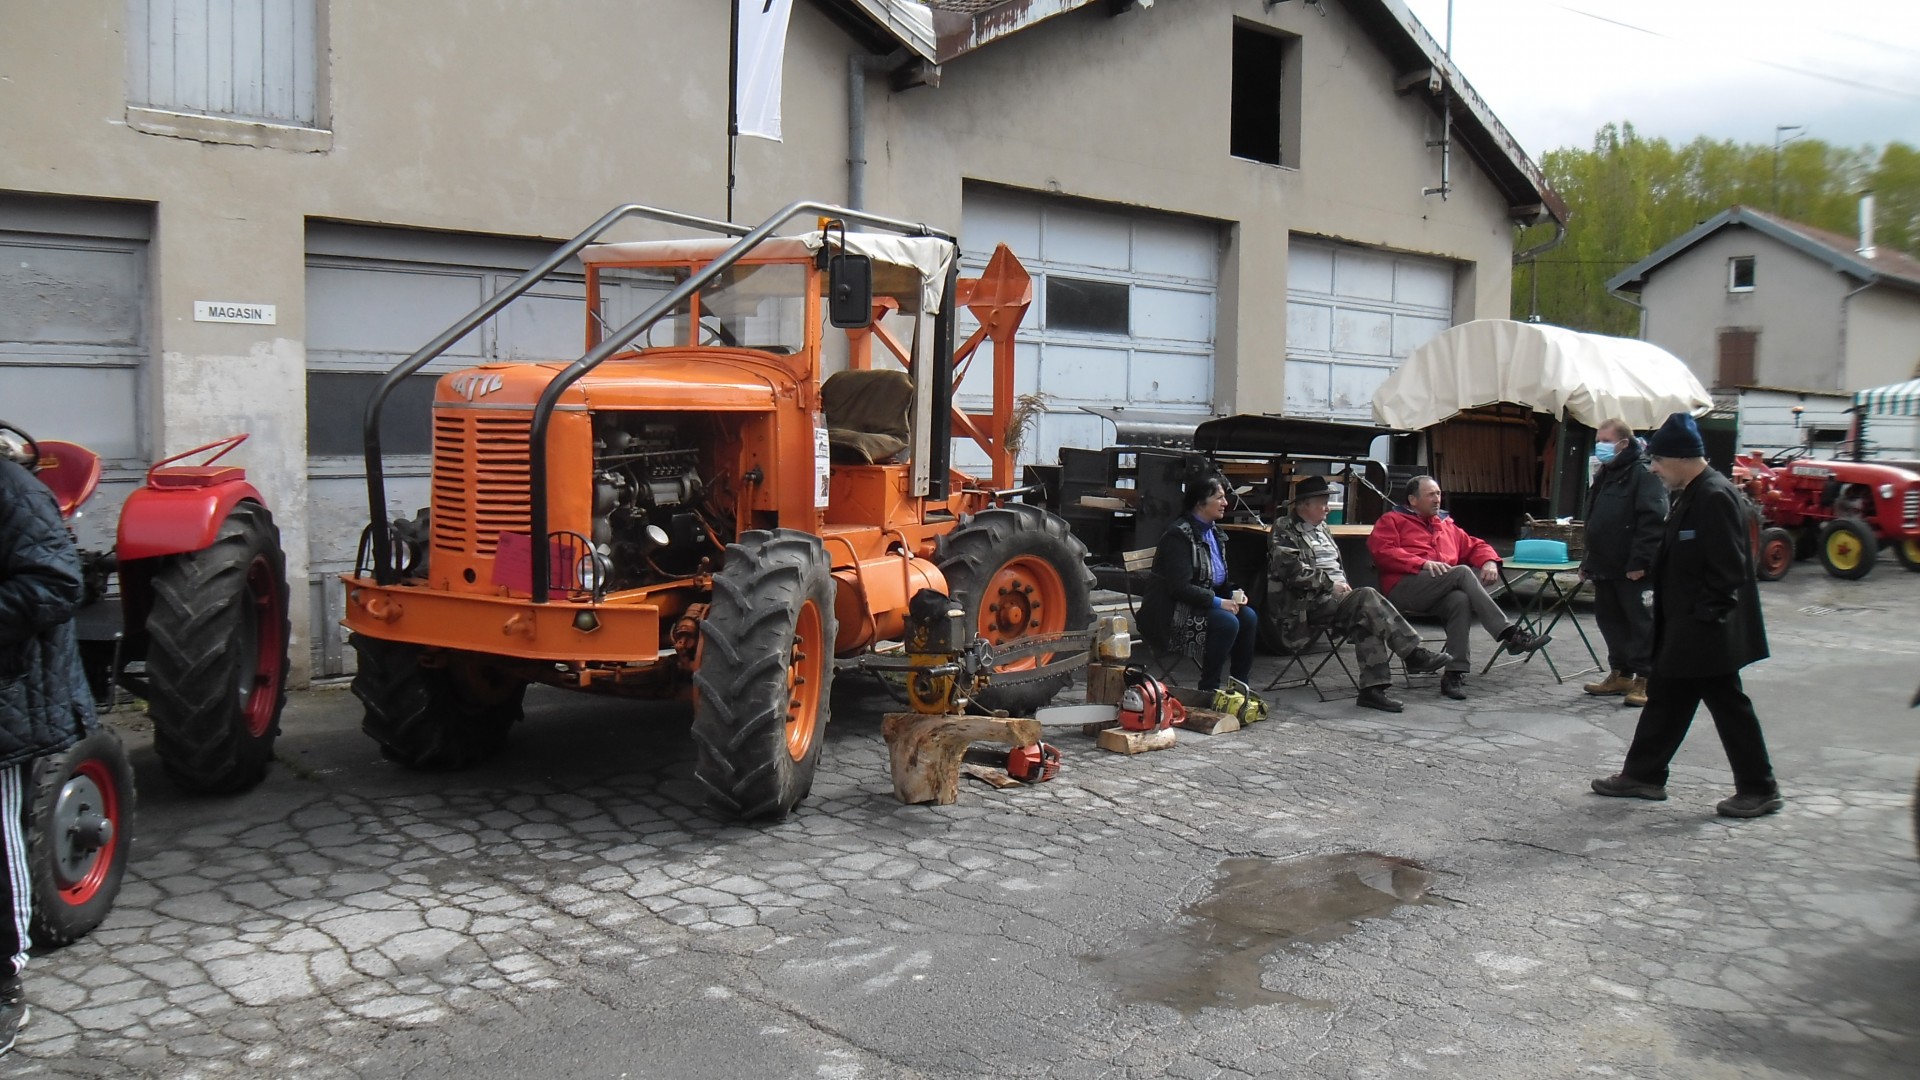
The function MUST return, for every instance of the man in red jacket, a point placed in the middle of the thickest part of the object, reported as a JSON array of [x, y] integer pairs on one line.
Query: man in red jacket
[[1428, 564]]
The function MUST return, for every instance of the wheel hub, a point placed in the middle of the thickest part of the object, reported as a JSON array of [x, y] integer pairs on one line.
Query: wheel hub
[[82, 828]]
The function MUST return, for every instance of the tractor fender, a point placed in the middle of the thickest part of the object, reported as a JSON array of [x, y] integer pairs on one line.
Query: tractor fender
[[173, 521]]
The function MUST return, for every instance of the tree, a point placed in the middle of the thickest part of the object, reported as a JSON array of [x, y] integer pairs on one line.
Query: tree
[[1629, 196]]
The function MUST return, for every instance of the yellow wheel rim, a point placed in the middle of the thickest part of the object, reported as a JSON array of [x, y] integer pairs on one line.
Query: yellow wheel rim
[[1843, 551], [1911, 548]]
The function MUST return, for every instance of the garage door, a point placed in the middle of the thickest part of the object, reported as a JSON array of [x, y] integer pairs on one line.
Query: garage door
[[1123, 313], [373, 297], [1353, 315], [73, 337]]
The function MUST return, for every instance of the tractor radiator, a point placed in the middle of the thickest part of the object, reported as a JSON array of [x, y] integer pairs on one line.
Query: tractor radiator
[[1910, 510], [480, 479]]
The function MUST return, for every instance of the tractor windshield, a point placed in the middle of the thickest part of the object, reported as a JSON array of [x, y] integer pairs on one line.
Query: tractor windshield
[[750, 305]]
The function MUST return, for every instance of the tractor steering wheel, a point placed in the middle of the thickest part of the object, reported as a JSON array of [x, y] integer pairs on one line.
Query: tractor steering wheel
[[716, 332], [31, 463]]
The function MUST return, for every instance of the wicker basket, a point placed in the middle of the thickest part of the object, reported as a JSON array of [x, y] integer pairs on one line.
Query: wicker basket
[[1573, 534]]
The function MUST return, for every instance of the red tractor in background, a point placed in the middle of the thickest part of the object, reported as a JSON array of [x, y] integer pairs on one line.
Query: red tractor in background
[[1840, 510], [198, 629]]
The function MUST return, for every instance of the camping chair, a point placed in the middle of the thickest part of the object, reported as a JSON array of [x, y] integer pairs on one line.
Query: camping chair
[[1301, 669]]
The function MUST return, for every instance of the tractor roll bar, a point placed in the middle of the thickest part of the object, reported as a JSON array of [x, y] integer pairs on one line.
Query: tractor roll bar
[[383, 570], [619, 339]]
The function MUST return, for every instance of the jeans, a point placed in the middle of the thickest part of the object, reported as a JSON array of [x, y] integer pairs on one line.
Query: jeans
[[1228, 635]]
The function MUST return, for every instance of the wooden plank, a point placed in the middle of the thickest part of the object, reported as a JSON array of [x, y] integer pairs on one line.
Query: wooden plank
[[1137, 742], [997, 777], [1138, 559]]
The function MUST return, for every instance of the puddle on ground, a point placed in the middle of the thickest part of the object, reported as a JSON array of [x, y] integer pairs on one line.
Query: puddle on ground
[[1214, 956]]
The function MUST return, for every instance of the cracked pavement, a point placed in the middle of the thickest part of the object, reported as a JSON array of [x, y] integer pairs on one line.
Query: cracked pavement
[[569, 911]]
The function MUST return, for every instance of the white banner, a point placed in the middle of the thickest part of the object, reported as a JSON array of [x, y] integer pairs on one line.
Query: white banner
[[762, 47]]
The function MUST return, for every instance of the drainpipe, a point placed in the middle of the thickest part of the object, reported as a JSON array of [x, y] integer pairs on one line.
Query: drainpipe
[[1625, 299], [859, 66]]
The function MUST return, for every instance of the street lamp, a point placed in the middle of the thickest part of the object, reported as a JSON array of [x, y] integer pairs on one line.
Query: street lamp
[[1778, 142]]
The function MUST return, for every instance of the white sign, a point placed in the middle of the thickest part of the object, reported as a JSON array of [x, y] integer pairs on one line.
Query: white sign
[[822, 464], [229, 311]]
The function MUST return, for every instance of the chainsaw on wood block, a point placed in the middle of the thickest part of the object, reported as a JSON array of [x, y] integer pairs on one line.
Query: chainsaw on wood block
[[946, 665], [1146, 704]]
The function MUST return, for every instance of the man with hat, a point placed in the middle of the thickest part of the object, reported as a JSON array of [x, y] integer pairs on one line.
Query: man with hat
[[1303, 562], [1706, 627]]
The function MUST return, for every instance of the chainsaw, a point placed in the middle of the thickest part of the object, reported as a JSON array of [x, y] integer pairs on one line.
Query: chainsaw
[[945, 668]]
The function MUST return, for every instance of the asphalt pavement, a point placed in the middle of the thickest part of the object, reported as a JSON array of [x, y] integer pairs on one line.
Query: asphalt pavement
[[1331, 893]]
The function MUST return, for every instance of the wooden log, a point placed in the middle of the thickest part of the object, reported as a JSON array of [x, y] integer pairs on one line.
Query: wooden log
[[1105, 683], [1208, 722], [1137, 742], [997, 777], [925, 749]]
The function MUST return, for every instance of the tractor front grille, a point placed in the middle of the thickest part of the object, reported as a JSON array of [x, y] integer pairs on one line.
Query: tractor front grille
[[1910, 511], [480, 479]]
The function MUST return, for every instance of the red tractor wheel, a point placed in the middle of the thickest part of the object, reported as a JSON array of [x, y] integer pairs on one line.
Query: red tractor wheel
[[217, 655], [1908, 551], [1776, 554], [79, 818], [1847, 549]]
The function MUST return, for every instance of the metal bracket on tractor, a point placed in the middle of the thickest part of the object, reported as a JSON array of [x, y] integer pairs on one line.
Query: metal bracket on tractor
[[945, 682]]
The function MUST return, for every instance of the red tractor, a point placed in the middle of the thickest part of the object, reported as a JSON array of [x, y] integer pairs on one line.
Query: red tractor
[[1841, 510], [199, 629]]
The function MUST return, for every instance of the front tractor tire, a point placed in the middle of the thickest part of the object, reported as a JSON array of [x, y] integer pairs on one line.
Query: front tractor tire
[[79, 819], [766, 670], [1847, 548], [1776, 554], [217, 655], [1908, 551], [452, 715], [1018, 571]]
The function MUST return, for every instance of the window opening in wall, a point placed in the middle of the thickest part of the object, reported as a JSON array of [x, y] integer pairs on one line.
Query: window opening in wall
[[1258, 66], [1740, 273], [1097, 307], [244, 61]]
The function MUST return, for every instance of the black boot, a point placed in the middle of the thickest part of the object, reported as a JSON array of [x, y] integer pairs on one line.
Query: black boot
[[1520, 642], [1375, 697], [1454, 685], [1750, 804], [1424, 661]]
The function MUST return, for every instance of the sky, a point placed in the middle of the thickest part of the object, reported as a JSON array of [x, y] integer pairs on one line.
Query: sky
[[1554, 71]]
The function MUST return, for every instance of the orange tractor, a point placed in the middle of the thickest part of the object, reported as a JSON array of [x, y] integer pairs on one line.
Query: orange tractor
[[688, 509]]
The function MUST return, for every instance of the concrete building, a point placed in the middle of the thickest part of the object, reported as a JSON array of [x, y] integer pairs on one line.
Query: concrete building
[[1782, 320], [1228, 205]]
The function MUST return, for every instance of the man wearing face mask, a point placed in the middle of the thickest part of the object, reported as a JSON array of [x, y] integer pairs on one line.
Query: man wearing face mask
[[1626, 515]]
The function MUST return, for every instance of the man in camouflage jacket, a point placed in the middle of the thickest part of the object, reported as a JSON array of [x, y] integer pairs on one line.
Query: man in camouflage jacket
[[1309, 592]]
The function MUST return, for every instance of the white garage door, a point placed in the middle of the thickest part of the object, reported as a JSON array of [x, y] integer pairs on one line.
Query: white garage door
[[373, 297], [73, 337], [1123, 313], [1353, 315]]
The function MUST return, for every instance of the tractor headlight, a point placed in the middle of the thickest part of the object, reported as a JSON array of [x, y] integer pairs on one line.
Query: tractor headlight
[[1886, 491], [591, 571]]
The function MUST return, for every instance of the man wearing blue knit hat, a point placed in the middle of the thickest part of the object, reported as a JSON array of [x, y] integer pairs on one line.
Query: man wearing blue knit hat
[[1706, 627]]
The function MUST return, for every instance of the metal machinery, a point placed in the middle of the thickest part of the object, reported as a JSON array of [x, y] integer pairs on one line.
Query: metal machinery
[[688, 509]]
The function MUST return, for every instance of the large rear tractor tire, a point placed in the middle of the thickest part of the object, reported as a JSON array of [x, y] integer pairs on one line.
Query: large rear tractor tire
[[1908, 551], [217, 656], [1847, 549], [79, 817], [1775, 556], [1018, 571], [766, 672], [453, 715]]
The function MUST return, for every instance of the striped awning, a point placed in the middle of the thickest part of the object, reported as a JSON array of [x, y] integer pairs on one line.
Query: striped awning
[[1900, 399]]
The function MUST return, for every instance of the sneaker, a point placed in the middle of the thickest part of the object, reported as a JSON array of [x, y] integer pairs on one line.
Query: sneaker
[[14, 1011], [1375, 697], [1520, 642], [1454, 685], [1622, 786], [1758, 804], [1424, 661]]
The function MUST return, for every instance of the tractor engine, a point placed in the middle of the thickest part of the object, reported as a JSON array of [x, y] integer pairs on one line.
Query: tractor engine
[[647, 495]]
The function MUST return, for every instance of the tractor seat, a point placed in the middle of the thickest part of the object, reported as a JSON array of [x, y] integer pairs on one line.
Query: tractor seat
[[866, 414]]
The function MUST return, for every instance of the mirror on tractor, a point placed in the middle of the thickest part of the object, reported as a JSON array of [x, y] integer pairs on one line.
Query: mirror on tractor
[[849, 290]]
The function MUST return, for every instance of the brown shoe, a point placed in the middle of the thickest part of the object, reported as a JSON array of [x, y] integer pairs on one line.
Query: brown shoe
[[1637, 696], [1616, 682]]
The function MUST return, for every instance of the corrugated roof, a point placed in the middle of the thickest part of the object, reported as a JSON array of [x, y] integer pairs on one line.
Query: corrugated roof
[[1887, 266]]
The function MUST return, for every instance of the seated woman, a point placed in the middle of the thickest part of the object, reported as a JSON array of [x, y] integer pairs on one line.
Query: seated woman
[[1189, 606]]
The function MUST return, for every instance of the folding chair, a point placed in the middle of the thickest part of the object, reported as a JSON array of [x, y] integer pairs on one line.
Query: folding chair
[[1162, 663], [1300, 669]]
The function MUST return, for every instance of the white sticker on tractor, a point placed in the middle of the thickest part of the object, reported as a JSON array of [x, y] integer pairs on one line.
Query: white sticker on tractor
[[822, 463]]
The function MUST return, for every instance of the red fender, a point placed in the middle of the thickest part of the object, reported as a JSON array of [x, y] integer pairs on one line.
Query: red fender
[[174, 520]]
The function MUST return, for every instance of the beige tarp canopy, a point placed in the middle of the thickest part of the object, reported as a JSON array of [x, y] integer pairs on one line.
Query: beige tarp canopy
[[902, 265], [1563, 373]]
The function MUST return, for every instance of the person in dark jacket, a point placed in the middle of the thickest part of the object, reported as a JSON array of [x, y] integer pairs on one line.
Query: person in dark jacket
[[1706, 627], [44, 701], [1626, 514], [1189, 606]]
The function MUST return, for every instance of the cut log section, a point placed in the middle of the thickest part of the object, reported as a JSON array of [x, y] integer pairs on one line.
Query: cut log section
[[1137, 742], [925, 749]]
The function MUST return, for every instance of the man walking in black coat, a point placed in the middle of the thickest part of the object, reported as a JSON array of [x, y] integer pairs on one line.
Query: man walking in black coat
[[1626, 515], [44, 701], [1706, 627]]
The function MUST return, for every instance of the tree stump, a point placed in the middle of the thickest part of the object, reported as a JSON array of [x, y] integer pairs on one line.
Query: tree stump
[[925, 749]]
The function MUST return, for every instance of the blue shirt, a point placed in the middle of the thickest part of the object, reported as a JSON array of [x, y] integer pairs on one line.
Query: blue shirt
[[1219, 560]]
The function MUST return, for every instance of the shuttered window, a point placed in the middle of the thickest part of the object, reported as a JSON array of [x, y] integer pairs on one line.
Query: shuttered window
[[241, 59], [1738, 351]]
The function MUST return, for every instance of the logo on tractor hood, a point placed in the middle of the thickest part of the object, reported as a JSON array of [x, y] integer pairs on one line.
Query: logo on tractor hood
[[474, 385]]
